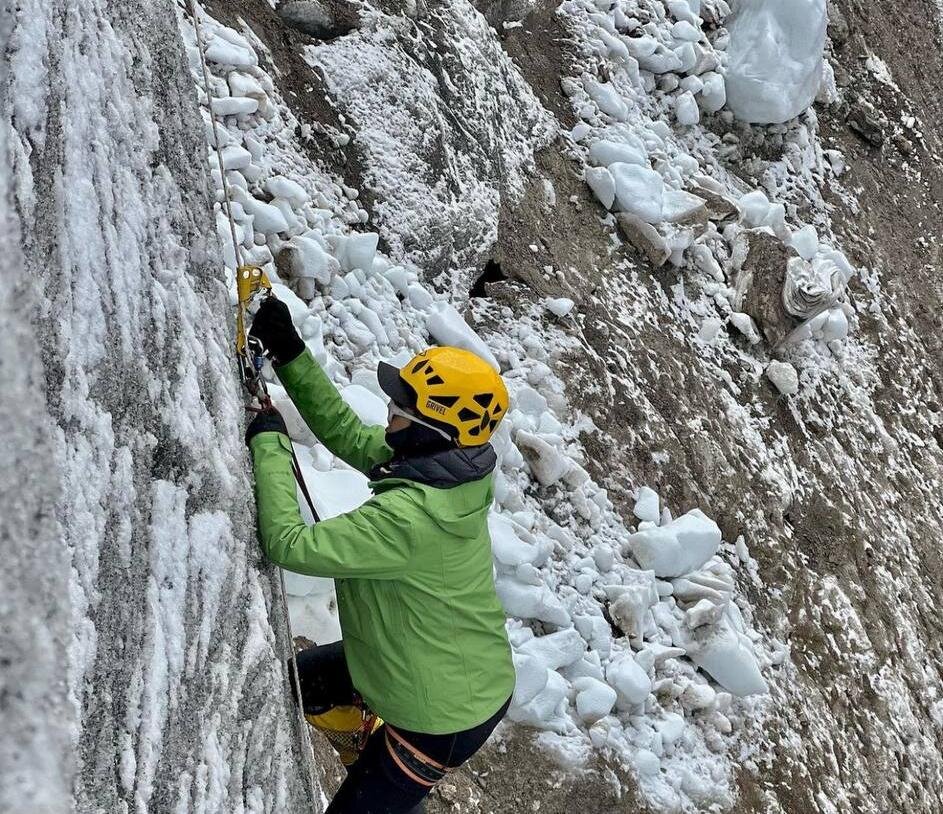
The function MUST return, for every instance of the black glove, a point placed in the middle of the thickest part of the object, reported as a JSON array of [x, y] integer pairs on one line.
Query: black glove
[[268, 421], [272, 326]]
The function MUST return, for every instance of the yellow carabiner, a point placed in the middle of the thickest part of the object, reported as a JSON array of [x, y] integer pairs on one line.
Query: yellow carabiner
[[249, 281]]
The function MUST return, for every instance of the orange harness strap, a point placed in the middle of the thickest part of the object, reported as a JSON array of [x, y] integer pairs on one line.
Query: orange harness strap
[[416, 765]]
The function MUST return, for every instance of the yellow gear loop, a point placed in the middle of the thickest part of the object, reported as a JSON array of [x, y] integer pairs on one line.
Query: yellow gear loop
[[347, 729]]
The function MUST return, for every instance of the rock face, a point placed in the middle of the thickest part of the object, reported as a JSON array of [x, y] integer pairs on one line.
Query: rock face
[[141, 665], [441, 163], [35, 717]]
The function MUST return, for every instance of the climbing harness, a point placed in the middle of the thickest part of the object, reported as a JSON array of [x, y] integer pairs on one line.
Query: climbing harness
[[251, 281], [416, 765]]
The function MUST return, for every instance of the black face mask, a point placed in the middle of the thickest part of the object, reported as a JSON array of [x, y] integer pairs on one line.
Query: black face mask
[[416, 440]]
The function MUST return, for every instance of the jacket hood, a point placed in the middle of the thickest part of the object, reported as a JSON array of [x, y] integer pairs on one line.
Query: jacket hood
[[458, 511]]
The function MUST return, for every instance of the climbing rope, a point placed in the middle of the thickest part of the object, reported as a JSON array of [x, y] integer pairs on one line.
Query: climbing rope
[[250, 282]]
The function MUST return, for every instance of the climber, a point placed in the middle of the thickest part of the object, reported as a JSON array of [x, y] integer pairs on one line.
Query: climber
[[424, 642]]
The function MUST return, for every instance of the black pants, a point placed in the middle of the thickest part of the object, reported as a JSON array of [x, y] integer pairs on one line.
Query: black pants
[[376, 783]]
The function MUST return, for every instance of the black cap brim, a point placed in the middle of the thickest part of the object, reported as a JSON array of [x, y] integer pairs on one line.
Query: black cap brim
[[392, 384]]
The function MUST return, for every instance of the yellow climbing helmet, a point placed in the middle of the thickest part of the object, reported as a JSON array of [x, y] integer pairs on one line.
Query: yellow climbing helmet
[[453, 388]]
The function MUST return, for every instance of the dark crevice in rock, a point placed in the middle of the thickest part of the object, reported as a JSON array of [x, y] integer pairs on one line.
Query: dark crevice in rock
[[491, 274]]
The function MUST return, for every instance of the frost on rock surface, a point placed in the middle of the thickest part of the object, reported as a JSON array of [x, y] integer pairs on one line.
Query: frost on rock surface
[[775, 58], [36, 764], [438, 164], [168, 687]]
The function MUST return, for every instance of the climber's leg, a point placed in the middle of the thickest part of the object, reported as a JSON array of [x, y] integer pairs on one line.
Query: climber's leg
[[324, 678], [399, 768]]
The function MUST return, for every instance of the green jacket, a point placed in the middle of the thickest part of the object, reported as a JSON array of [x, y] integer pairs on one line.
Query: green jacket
[[423, 629]]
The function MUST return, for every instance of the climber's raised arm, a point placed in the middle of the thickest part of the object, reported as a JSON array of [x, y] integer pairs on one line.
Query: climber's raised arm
[[329, 417]]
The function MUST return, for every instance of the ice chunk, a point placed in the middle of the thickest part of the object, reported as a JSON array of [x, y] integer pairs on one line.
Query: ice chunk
[[309, 261], [630, 609], [679, 548], [686, 109], [704, 612], [836, 325], [560, 306], [547, 710], [370, 408], [713, 95], [597, 633], [235, 157], [546, 462], [685, 31], [245, 85], [728, 658], [398, 277], [605, 152], [602, 185], [594, 699], [532, 677], [360, 251], [447, 327], [530, 402], [710, 328], [267, 218], [608, 99], [640, 190], [745, 324], [556, 650], [775, 58], [806, 242], [278, 186], [670, 728], [687, 54], [784, 376], [715, 585], [696, 697], [418, 297], [531, 601], [315, 615], [646, 763], [630, 681], [755, 208], [234, 105], [223, 52], [640, 47], [692, 83], [506, 545], [662, 61]]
